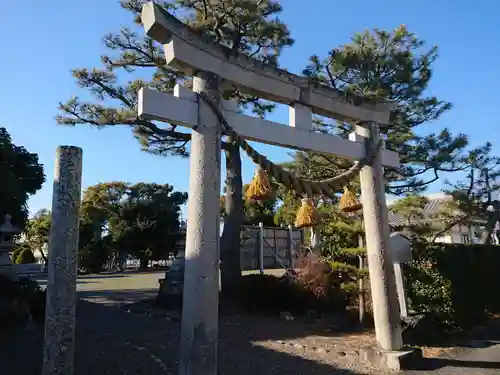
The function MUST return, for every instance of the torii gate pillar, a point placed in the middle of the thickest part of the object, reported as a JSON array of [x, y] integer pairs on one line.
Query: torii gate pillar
[[201, 282], [382, 280]]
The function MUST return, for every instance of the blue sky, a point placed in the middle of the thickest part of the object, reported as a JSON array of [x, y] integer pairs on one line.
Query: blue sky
[[42, 43]]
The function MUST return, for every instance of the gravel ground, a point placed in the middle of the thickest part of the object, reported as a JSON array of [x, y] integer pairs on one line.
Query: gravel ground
[[110, 341], [113, 340]]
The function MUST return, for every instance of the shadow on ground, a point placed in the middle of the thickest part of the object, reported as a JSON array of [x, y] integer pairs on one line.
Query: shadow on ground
[[266, 361], [473, 351], [262, 327], [431, 364], [110, 341], [478, 337], [118, 296], [104, 276], [126, 273]]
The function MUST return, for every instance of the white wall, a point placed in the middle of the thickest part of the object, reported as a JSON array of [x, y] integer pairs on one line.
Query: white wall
[[466, 234], [462, 234], [38, 256], [445, 238]]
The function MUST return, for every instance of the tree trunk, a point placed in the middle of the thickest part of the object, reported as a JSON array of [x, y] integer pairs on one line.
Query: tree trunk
[[230, 240], [490, 226], [144, 262]]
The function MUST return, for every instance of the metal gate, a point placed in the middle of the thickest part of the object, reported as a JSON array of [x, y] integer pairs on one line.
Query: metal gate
[[269, 247]]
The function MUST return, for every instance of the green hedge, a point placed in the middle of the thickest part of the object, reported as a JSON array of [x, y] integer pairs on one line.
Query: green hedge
[[25, 257], [459, 284]]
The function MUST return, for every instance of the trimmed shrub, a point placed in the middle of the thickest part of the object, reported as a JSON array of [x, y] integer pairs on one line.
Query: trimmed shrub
[[323, 279], [25, 257], [20, 298], [36, 298], [457, 284], [311, 287], [271, 294], [17, 250]]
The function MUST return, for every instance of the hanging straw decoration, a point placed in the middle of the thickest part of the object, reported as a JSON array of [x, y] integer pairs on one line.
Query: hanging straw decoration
[[260, 187], [349, 202], [307, 216]]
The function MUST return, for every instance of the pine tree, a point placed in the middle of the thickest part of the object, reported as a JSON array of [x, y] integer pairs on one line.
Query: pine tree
[[473, 198], [249, 27], [390, 66], [420, 223], [387, 67], [477, 196], [380, 66]]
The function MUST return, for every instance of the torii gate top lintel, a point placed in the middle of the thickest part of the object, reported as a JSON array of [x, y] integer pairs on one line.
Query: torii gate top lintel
[[190, 51]]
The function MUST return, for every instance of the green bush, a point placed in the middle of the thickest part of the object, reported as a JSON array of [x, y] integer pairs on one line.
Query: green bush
[[17, 250], [35, 296], [271, 294], [25, 257], [18, 298], [458, 284], [314, 286], [345, 274]]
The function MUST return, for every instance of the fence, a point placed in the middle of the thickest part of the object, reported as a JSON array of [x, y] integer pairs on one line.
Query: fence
[[264, 247], [269, 247]]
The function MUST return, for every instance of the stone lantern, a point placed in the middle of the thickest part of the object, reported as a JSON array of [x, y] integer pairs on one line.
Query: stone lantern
[[7, 232]]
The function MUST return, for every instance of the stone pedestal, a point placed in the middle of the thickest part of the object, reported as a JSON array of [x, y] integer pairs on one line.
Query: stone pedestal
[[397, 360], [5, 263], [7, 232]]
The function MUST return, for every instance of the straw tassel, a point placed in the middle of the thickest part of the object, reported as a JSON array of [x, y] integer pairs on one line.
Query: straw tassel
[[259, 188], [307, 216], [349, 202]]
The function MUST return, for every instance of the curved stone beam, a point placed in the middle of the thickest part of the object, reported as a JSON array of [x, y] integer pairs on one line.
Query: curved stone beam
[[190, 51]]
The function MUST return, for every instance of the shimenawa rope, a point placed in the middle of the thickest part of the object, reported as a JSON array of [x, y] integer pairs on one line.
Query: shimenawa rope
[[301, 186]]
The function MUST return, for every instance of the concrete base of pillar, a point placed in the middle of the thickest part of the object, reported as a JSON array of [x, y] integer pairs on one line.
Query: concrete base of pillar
[[399, 360]]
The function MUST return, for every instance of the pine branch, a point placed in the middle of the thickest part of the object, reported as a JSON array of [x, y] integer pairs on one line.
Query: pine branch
[[247, 27], [353, 251]]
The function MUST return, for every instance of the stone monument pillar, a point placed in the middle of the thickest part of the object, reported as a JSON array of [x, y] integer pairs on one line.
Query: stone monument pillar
[[58, 356]]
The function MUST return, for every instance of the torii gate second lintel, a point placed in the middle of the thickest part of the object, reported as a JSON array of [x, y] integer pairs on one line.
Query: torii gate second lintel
[[181, 109]]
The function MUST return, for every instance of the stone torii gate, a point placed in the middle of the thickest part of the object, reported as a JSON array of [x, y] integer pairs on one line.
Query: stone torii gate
[[214, 69]]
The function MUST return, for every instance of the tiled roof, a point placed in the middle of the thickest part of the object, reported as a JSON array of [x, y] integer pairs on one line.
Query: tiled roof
[[431, 208]]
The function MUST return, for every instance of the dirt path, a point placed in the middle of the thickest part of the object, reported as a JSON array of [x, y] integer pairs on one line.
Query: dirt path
[[111, 340]]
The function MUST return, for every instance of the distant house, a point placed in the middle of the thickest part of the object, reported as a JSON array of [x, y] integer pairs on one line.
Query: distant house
[[469, 233]]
